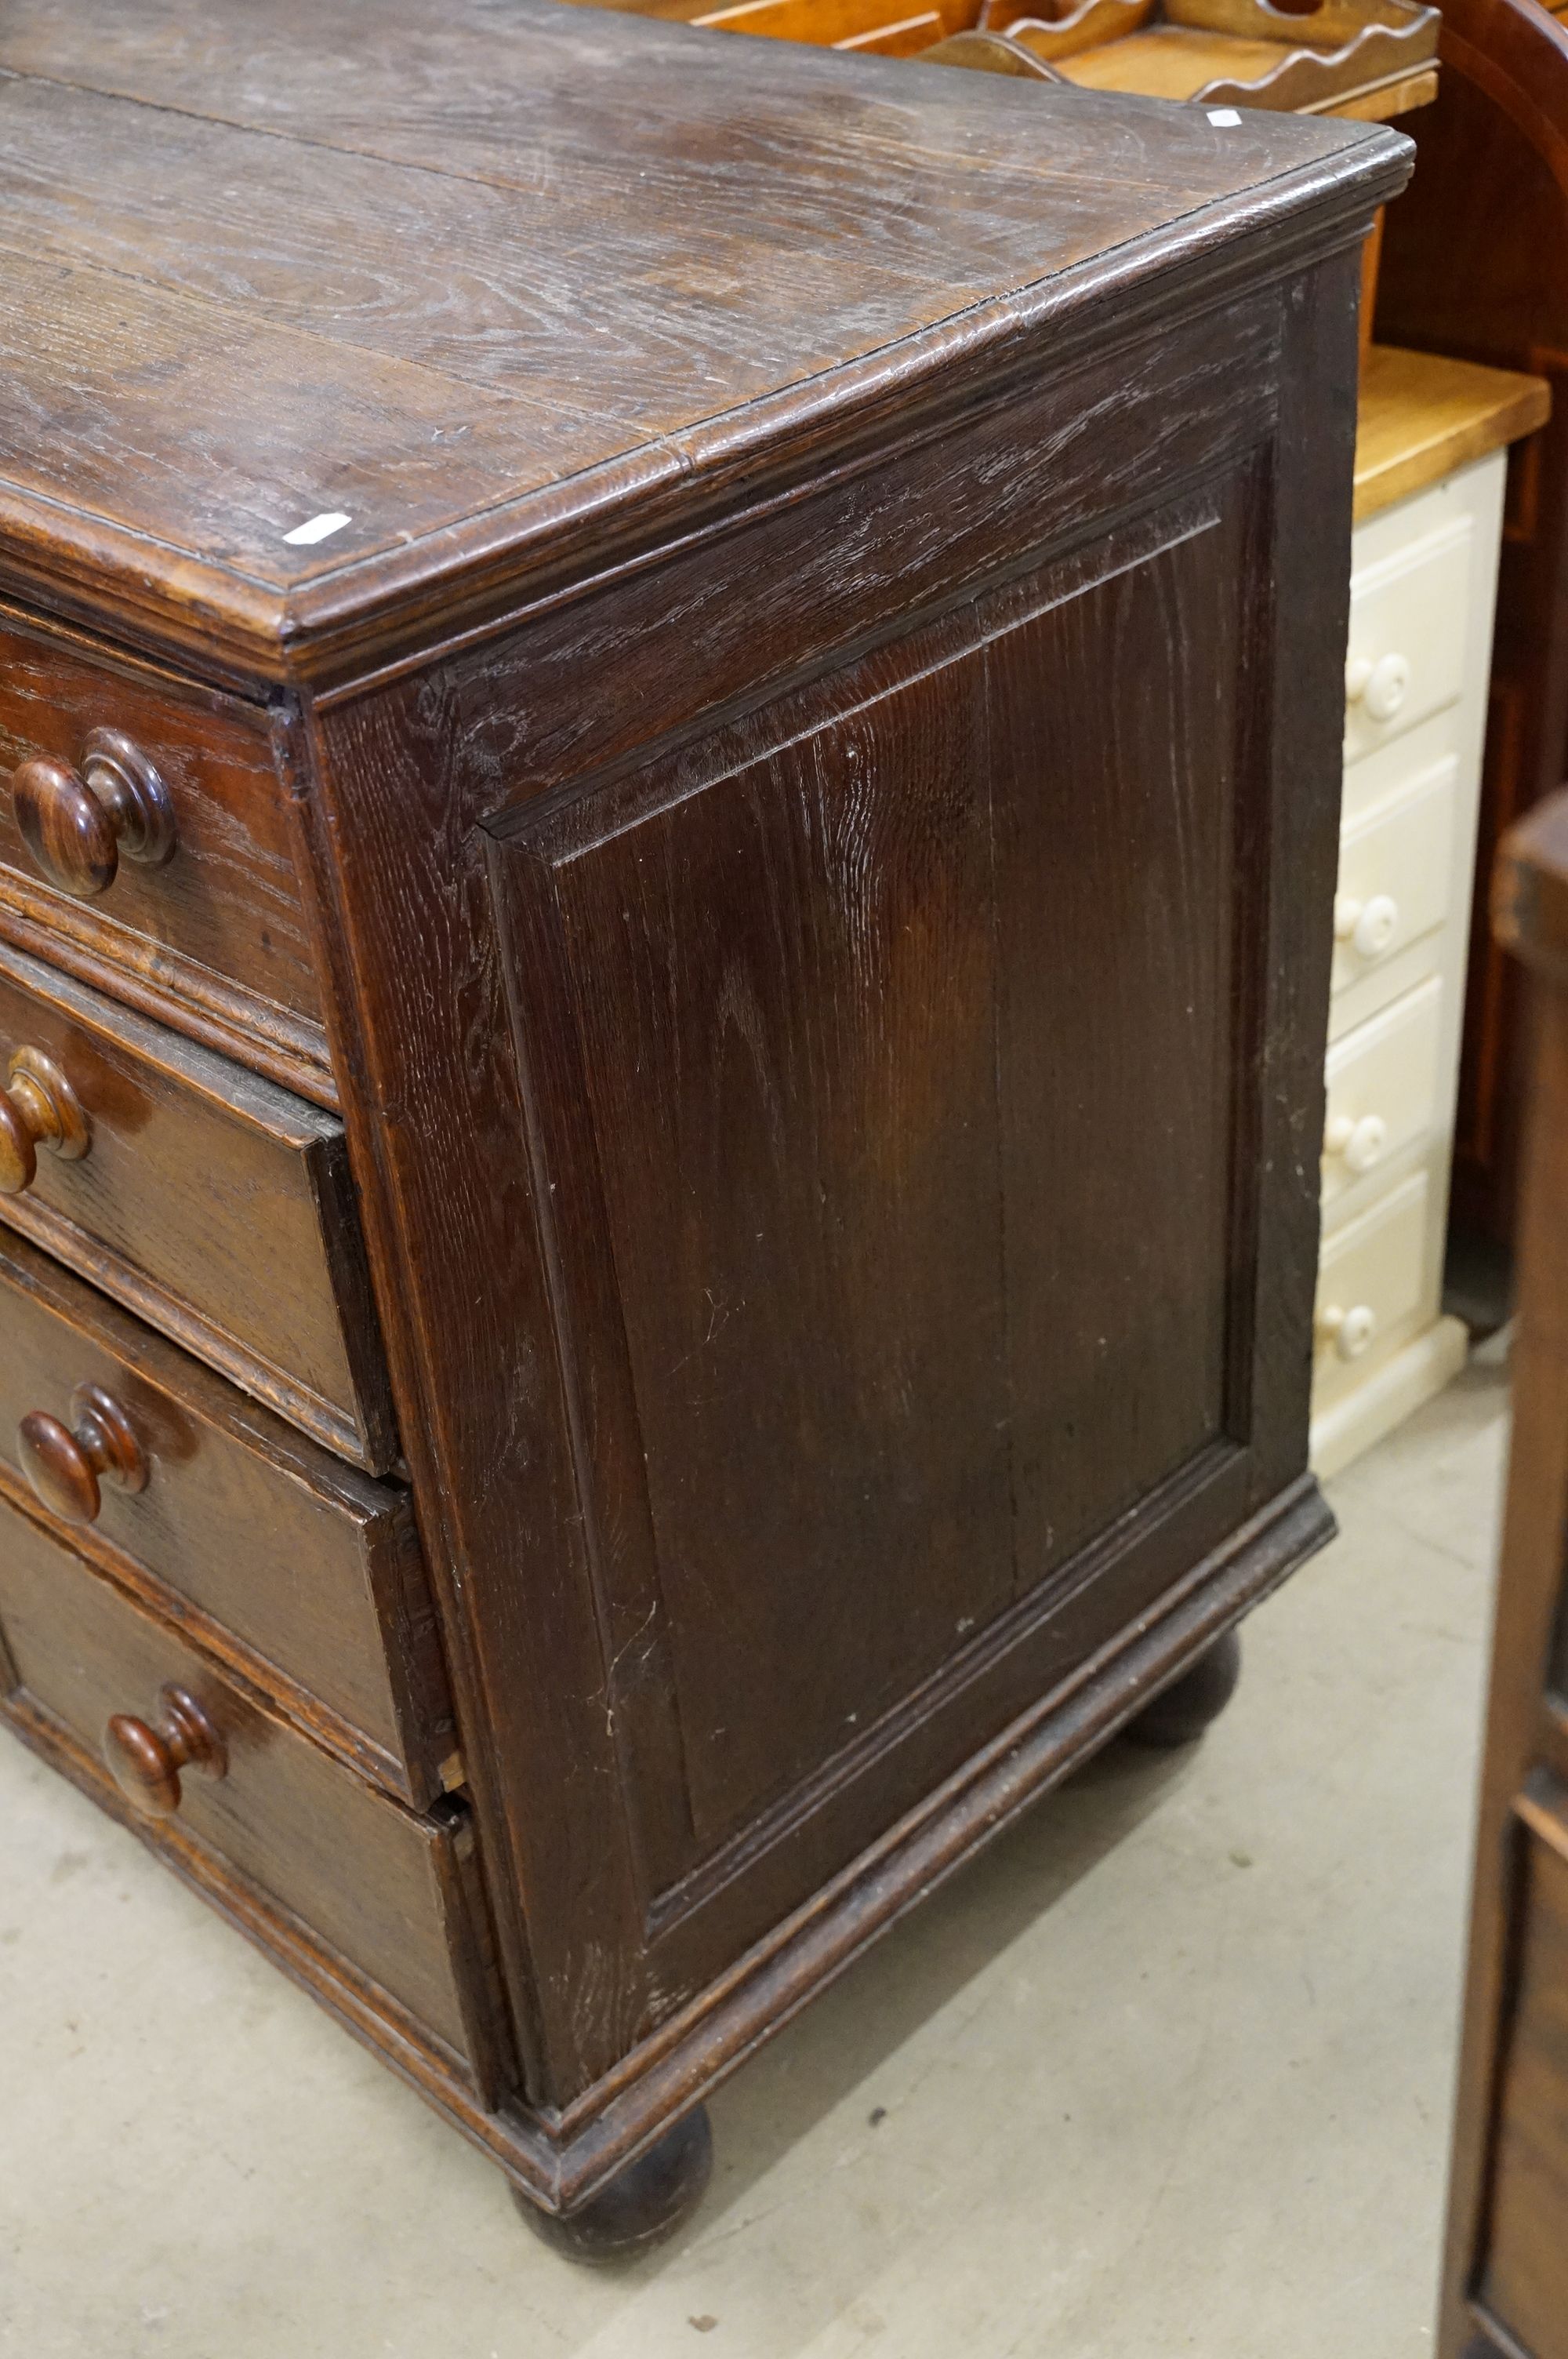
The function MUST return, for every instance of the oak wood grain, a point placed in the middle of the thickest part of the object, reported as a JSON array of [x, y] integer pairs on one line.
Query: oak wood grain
[[465, 415], [364, 1872], [410, 772], [501, 729], [219, 921], [279, 1557], [560, 2160], [835, 1185], [209, 1200], [817, 739]]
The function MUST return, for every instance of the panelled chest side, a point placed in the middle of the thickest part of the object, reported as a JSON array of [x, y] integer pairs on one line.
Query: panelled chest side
[[809, 784]]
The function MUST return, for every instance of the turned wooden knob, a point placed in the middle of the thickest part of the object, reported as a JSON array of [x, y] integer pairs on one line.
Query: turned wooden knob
[[37, 1108], [145, 1761], [65, 1463], [77, 823]]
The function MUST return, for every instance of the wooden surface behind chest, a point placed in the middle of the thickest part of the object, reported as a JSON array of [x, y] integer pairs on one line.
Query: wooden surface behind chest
[[1505, 2275]]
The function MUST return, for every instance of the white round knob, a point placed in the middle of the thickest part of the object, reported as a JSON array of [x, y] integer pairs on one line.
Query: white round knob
[[1378, 688], [1350, 1331], [1368, 926], [1359, 1144], [1387, 687], [1376, 927]]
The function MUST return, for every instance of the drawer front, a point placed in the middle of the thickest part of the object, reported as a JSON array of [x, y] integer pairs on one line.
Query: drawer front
[[1409, 616], [209, 1201], [279, 1557], [1370, 785], [1396, 869], [1382, 1091], [1368, 1289], [382, 1886], [227, 896]]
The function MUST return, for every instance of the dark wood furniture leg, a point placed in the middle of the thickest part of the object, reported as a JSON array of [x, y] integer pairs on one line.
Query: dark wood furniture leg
[[1181, 1712], [641, 2206]]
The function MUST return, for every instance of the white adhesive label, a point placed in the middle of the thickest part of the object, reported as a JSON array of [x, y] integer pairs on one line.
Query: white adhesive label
[[315, 528], [1224, 118]]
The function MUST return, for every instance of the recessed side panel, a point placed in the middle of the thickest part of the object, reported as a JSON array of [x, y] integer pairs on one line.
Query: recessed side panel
[[1113, 785], [784, 987], [882, 1051]]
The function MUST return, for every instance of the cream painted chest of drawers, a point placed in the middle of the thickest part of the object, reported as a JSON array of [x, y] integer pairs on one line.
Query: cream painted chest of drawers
[[1431, 479]]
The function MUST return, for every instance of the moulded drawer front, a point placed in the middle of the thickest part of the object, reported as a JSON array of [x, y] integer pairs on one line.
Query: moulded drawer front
[[1382, 1089], [1368, 1287], [227, 895], [1406, 650], [1395, 873], [215, 1204], [309, 1568], [381, 1886]]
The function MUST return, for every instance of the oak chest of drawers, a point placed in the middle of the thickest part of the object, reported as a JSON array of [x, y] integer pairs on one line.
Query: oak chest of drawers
[[672, 737]]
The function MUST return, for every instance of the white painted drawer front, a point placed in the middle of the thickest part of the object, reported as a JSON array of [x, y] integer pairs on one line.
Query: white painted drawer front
[[1382, 1089], [1395, 870], [1377, 779], [1368, 1288], [1408, 616]]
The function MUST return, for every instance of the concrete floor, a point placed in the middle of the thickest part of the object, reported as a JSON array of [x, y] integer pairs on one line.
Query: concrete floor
[[1167, 2071]]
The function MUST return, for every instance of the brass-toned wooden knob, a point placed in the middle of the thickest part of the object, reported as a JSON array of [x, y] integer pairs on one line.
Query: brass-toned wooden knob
[[66, 1464], [77, 823], [145, 1760], [37, 1108]]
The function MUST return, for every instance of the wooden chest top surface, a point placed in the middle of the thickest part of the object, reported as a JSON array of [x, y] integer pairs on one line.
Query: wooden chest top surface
[[498, 279]]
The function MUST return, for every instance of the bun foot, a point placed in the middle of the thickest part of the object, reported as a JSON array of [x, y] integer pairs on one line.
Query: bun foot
[[639, 2207], [1180, 1714]]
